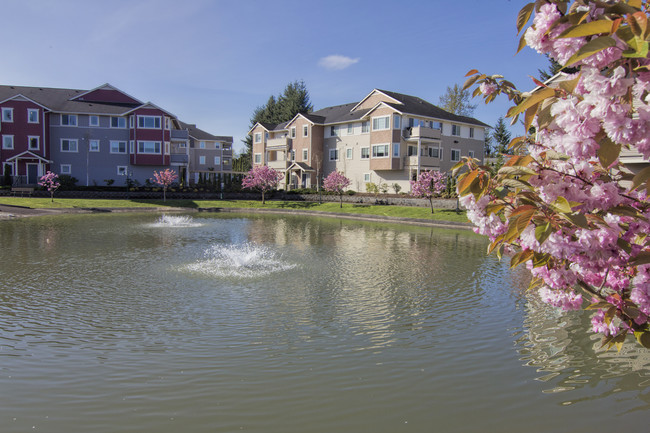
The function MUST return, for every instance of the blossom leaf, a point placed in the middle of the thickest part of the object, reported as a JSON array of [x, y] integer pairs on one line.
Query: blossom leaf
[[530, 116], [587, 29], [598, 305], [470, 81], [524, 16], [640, 178], [643, 337], [533, 99], [465, 183], [513, 183], [494, 208], [556, 156], [643, 258], [517, 170], [562, 205], [543, 232], [608, 152], [577, 219], [592, 47], [521, 257], [471, 72]]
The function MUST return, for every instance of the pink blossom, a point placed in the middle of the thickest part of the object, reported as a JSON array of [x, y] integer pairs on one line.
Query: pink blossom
[[336, 182], [487, 88], [567, 300], [262, 178]]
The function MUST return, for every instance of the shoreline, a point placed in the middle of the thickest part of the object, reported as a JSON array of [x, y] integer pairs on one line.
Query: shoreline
[[11, 212]]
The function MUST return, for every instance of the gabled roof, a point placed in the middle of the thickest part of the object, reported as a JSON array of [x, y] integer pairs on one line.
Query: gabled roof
[[199, 134], [28, 155], [372, 93], [315, 119], [148, 105], [87, 96], [301, 165], [20, 96], [339, 113]]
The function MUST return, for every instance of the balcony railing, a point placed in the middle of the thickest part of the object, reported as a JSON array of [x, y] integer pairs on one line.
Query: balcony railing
[[278, 143], [425, 161], [279, 164], [180, 134], [414, 132], [179, 158]]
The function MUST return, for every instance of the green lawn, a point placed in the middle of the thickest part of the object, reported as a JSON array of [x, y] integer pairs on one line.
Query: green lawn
[[348, 208]]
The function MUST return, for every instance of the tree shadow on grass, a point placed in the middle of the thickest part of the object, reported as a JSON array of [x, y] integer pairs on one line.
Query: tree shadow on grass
[[295, 205], [169, 203]]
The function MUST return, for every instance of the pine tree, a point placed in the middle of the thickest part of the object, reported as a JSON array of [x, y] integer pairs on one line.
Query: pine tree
[[456, 100], [501, 136]]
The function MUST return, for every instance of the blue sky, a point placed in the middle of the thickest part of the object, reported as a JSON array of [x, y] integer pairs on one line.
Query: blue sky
[[213, 62]]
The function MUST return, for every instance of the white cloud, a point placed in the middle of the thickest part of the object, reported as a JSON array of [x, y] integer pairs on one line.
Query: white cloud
[[337, 62]]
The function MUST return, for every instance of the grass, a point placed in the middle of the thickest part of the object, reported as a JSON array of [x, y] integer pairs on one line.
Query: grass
[[348, 208]]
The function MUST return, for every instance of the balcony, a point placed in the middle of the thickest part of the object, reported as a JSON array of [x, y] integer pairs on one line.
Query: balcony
[[278, 143], [279, 164], [179, 158], [425, 161], [386, 164], [416, 132], [180, 134]]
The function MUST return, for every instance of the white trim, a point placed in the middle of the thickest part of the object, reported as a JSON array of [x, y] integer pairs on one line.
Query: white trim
[[29, 142], [372, 151], [91, 117], [8, 110], [62, 168], [217, 160], [90, 142], [349, 153], [336, 156], [305, 130], [12, 147], [38, 115], [202, 160], [368, 155], [122, 170], [370, 94], [257, 158], [305, 154], [70, 142], [451, 133], [104, 86], [451, 156], [372, 123], [70, 117], [143, 143], [148, 105], [24, 98], [118, 122], [146, 116], [116, 150]]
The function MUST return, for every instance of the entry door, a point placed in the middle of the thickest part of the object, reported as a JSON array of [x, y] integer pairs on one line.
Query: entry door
[[32, 174]]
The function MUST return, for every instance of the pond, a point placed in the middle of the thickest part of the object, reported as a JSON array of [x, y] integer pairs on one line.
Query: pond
[[135, 323]]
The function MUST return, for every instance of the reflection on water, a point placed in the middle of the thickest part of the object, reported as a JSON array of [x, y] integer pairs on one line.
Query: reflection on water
[[286, 324]]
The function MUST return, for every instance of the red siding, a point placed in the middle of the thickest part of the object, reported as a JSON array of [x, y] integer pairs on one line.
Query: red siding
[[107, 95], [148, 134], [21, 129]]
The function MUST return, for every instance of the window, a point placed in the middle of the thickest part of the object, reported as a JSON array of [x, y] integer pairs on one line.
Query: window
[[32, 115], [93, 120], [305, 130], [217, 145], [68, 120], [365, 127], [182, 145], [380, 151], [202, 144], [202, 160], [217, 160], [396, 121], [434, 152], [226, 161], [258, 158], [366, 177], [7, 114], [395, 150], [118, 122], [436, 125], [149, 122], [68, 145], [471, 132], [350, 128], [334, 131], [455, 155], [93, 146], [293, 132], [257, 137], [131, 121], [348, 153], [334, 154], [293, 155], [166, 122], [305, 154], [166, 147], [131, 146], [118, 146], [7, 141], [66, 169], [151, 147], [365, 153], [412, 151], [380, 123], [455, 130], [33, 143], [121, 170], [471, 154]]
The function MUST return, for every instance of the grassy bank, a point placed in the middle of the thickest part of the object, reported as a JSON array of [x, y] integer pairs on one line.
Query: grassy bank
[[348, 208]]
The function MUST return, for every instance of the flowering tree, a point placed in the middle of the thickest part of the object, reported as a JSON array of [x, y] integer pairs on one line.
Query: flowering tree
[[428, 185], [566, 205], [50, 181], [164, 178], [262, 178], [336, 182]]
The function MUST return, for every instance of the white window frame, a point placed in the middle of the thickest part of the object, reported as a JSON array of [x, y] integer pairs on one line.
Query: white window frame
[[121, 122], [217, 145], [202, 160], [437, 152], [131, 147], [143, 119], [115, 147], [8, 142], [385, 120], [257, 137], [201, 144], [257, 158], [305, 154], [396, 150], [8, 114], [452, 155], [92, 148], [31, 111], [72, 120], [167, 123], [397, 121], [131, 121], [122, 170], [293, 132], [455, 130], [29, 142], [217, 160], [367, 155], [143, 144], [71, 142], [349, 153], [350, 128], [305, 130], [334, 154], [366, 177], [66, 169], [471, 132], [470, 153], [167, 147], [335, 130], [365, 127], [376, 154], [91, 118]]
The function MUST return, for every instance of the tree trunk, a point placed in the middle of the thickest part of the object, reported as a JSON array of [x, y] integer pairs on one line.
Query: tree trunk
[[431, 203], [341, 200], [263, 201]]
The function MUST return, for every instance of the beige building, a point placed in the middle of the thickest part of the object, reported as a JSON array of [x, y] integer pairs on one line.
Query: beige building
[[208, 154], [386, 138]]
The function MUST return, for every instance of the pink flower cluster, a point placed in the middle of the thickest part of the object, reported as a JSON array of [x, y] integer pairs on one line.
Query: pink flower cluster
[[336, 182], [50, 181]]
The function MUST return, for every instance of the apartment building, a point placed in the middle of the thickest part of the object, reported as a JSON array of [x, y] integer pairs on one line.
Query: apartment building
[[387, 137], [98, 136]]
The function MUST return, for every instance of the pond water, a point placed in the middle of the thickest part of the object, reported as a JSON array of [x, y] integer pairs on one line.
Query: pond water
[[133, 323]]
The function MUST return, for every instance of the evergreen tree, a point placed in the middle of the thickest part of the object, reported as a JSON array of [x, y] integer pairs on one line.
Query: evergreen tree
[[501, 136], [456, 100]]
